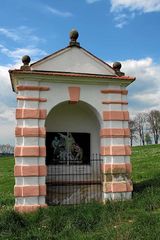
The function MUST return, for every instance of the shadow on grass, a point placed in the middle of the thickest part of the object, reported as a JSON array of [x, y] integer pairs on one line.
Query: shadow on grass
[[141, 186]]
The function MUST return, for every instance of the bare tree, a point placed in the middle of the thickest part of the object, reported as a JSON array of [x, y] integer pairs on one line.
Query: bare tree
[[153, 118], [148, 139], [132, 127], [140, 122], [3, 149], [6, 149]]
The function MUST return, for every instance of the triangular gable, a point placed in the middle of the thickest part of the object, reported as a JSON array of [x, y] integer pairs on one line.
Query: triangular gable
[[73, 59]]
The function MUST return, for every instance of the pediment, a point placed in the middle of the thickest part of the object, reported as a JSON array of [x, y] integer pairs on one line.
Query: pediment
[[73, 59]]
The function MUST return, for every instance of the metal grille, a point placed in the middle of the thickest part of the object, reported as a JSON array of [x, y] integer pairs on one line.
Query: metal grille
[[72, 182]]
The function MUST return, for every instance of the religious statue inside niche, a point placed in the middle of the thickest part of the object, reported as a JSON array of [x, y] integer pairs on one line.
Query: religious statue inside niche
[[65, 147]]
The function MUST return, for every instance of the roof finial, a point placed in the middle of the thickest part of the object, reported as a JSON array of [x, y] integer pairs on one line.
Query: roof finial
[[117, 66], [26, 60], [73, 38]]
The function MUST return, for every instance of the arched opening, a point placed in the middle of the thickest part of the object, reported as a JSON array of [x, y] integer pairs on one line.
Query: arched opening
[[73, 120], [72, 144]]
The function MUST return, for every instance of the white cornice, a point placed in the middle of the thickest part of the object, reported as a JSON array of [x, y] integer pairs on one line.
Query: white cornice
[[84, 80]]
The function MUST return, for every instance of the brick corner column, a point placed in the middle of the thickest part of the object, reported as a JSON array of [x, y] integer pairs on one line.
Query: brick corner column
[[115, 150], [30, 170]]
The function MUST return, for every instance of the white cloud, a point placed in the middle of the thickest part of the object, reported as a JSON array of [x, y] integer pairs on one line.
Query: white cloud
[[9, 33], [7, 97], [7, 113], [59, 13], [4, 77], [7, 132], [21, 34], [129, 8], [92, 1], [7, 107], [151, 97], [145, 69], [136, 5], [145, 91], [6, 88], [121, 20], [126, 10], [17, 54]]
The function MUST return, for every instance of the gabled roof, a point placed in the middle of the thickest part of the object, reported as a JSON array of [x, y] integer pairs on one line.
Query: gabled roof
[[72, 64], [73, 59]]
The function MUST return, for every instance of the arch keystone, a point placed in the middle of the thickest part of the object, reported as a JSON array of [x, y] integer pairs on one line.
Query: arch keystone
[[74, 94]]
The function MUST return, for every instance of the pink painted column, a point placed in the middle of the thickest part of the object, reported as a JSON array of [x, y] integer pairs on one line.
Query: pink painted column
[[30, 170], [115, 149]]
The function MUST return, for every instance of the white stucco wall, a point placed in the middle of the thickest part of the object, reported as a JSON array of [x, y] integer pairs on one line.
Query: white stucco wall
[[90, 94], [84, 116], [74, 60]]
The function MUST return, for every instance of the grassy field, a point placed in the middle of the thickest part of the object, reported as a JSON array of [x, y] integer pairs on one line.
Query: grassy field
[[136, 219]]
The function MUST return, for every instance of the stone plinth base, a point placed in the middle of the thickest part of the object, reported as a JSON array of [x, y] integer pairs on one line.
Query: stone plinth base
[[119, 196], [29, 208]]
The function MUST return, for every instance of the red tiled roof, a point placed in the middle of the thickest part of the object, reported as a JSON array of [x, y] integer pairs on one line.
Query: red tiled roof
[[72, 74]]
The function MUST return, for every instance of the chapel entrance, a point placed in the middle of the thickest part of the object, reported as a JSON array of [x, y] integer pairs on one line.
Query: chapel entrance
[[72, 145]]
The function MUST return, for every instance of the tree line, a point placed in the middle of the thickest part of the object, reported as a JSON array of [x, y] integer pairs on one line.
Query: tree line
[[6, 149], [145, 127]]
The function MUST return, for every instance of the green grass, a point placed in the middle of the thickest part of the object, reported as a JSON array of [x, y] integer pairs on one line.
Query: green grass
[[6, 181], [136, 219], [146, 163]]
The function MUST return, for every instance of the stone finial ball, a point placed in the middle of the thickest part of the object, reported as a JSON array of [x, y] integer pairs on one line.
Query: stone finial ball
[[117, 65], [73, 35], [26, 59]]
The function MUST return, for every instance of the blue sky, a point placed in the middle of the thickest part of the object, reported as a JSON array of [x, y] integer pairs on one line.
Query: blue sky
[[113, 30]]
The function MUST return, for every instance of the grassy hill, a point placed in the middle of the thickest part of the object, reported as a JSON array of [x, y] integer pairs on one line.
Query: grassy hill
[[136, 219]]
